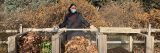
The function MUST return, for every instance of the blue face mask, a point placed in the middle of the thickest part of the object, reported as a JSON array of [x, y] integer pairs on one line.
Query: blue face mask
[[73, 10]]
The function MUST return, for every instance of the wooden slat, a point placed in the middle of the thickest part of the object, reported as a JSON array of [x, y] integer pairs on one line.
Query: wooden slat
[[56, 43], [8, 31], [11, 44], [149, 44], [130, 43], [102, 29], [3, 42], [65, 29], [40, 29], [20, 28], [121, 42], [56, 29], [155, 30], [118, 30], [149, 30], [117, 27], [102, 46], [156, 41], [105, 45], [149, 41]]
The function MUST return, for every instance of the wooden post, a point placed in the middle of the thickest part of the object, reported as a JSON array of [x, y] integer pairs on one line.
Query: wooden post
[[20, 29], [130, 43], [149, 44], [149, 30], [56, 44], [12, 44], [149, 41], [102, 45]]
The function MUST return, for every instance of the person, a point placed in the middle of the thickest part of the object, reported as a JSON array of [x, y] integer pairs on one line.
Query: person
[[74, 19]]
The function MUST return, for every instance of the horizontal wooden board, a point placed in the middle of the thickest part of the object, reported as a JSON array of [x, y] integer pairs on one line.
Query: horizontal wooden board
[[118, 30]]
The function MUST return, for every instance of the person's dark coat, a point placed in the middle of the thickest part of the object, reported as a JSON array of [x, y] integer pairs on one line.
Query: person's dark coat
[[74, 21]]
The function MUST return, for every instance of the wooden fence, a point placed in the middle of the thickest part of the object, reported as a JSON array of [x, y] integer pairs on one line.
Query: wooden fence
[[101, 37]]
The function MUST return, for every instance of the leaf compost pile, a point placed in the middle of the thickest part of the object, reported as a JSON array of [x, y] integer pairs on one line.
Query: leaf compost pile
[[80, 44], [53, 14], [29, 43]]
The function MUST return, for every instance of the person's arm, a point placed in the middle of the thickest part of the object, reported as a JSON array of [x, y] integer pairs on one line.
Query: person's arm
[[64, 23], [84, 22]]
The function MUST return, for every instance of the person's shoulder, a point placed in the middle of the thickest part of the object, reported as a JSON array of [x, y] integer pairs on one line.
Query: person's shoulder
[[78, 13], [66, 15]]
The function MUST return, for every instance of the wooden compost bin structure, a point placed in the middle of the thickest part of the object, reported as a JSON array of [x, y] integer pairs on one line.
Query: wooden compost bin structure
[[55, 39], [101, 38]]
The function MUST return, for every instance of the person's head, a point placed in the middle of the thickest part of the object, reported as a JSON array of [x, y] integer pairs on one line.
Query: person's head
[[72, 8]]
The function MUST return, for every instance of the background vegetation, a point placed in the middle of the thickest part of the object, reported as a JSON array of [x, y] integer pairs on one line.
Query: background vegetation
[[49, 13]]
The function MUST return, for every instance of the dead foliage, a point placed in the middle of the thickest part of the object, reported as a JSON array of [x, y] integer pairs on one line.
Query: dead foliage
[[3, 48], [127, 14], [139, 48], [29, 43], [80, 44], [52, 14]]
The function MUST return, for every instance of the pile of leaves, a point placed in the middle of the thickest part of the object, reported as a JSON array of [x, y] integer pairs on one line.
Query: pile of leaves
[[34, 42], [157, 48], [126, 14], [53, 14], [80, 44], [131, 14], [139, 48], [29, 43], [3, 48]]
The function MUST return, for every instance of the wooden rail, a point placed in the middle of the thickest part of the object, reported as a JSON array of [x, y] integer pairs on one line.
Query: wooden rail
[[121, 42], [101, 37], [3, 42], [102, 30], [108, 42]]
